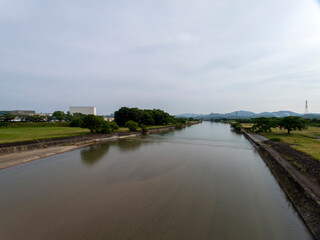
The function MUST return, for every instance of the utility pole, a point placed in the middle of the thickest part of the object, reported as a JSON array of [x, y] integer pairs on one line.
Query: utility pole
[[306, 112]]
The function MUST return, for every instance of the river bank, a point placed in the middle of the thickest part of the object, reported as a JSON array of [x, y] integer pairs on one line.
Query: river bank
[[12, 154], [302, 190]]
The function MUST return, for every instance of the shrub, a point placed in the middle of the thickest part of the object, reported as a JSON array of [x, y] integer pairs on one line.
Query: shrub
[[132, 125], [105, 128], [113, 126], [144, 128], [178, 125], [275, 139], [236, 126]]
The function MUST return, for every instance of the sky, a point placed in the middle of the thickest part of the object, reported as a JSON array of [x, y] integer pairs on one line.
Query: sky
[[181, 56]]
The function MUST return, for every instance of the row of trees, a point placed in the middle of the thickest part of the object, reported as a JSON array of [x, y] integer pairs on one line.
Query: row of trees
[[133, 118], [290, 123], [56, 116], [96, 124], [145, 116]]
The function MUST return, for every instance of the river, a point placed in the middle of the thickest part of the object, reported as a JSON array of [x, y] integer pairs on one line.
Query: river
[[201, 182]]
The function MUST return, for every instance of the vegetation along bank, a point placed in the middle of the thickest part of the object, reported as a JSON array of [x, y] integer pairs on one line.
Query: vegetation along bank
[[290, 147]]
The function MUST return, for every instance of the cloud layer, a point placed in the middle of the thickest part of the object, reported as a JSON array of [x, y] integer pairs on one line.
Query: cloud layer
[[181, 56]]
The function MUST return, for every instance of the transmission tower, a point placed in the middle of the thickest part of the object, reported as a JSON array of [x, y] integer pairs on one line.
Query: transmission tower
[[306, 109]]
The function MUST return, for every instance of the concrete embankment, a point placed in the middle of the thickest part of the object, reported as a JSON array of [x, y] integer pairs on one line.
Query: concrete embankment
[[12, 154], [299, 188]]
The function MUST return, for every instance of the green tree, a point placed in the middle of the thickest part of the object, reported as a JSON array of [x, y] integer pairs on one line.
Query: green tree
[[264, 124], [7, 117], [144, 128], [292, 123], [76, 122], [58, 115], [113, 126], [104, 128], [35, 118], [93, 123], [132, 125], [23, 118]]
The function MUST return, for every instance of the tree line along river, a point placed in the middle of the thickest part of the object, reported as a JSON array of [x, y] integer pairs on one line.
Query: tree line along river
[[202, 182]]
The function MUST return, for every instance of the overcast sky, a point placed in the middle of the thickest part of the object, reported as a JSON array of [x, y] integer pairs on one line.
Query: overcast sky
[[181, 56]]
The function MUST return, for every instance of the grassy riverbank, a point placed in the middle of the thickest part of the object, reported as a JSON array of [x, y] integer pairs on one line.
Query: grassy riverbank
[[33, 133], [19, 133], [307, 141]]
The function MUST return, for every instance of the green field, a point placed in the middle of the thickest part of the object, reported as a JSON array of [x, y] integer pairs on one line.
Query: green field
[[18, 134], [307, 141], [33, 133]]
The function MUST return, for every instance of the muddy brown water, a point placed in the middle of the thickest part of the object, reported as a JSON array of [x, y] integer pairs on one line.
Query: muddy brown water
[[202, 182]]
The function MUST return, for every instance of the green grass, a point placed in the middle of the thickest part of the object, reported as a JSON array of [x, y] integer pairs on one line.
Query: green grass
[[34, 133], [275, 139], [305, 141], [18, 134]]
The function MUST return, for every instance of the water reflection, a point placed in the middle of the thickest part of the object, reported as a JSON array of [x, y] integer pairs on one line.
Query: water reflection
[[91, 155], [127, 145]]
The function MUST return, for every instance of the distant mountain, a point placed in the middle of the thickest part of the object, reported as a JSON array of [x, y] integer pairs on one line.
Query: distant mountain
[[246, 115], [188, 115]]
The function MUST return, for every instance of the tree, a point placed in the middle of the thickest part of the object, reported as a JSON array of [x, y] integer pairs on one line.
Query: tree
[[76, 122], [8, 117], [105, 128], [144, 128], [59, 115], [113, 126], [132, 125], [146, 116], [35, 118], [292, 123], [23, 118], [93, 123], [264, 124], [122, 116]]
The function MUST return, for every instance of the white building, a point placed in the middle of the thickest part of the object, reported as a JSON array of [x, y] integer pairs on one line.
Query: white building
[[83, 110]]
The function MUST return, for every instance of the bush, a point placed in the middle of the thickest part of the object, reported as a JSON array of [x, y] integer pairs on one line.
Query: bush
[[275, 139], [132, 125], [179, 125], [144, 128], [105, 128], [113, 126], [236, 126]]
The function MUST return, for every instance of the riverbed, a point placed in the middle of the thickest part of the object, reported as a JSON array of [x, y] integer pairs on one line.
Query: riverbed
[[201, 182]]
